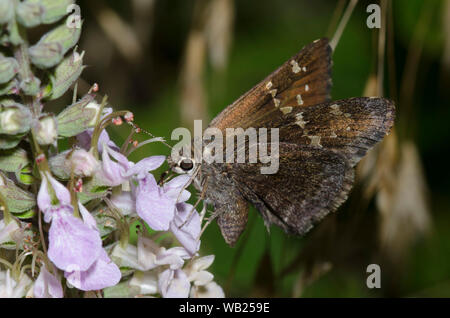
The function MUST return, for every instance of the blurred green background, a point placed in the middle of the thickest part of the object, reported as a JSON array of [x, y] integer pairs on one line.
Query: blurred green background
[[170, 60]]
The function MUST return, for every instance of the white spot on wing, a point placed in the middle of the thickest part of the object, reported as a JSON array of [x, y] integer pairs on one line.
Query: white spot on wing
[[273, 92], [306, 87], [300, 121], [335, 110], [286, 110], [269, 85], [299, 99], [295, 67], [315, 141], [276, 101]]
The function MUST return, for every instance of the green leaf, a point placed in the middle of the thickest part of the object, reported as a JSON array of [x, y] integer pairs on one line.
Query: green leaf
[[51, 48], [29, 13], [54, 10], [18, 200], [26, 215], [25, 175], [9, 142], [66, 73], [8, 88], [13, 160], [6, 11], [121, 290], [77, 117], [8, 69], [92, 189]]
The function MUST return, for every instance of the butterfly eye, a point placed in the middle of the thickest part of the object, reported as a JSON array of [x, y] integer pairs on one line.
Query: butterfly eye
[[186, 164]]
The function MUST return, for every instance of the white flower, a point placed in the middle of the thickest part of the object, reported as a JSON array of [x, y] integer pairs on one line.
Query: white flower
[[10, 288], [148, 255], [196, 273], [46, 130], [7, 231], [202, 284], [96, 107], [145, 282], [210, 290], [8, 120], [173, 284]]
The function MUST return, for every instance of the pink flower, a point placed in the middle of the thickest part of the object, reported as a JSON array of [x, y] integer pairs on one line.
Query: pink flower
[[156, 205], [102, 273], [47, 285], [72, 244], [187, 231], [113, 171], [153, 205], [116, 169]]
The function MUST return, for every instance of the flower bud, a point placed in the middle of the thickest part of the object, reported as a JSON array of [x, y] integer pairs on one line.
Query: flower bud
[[9, 142], [58, 166], [66, 73], [46, 130], [83, 163], [8, 69], [14, 119], [29, 13], [25, 175], [78, 117], [30, 86], [8, 233], [7, 102], [13, 160], [46, 55], [9, 88], [54, 10], [18, 200], [54, 43], [6, 11]]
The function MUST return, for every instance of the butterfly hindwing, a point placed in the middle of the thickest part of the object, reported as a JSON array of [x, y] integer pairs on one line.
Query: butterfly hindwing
[[309, 184]]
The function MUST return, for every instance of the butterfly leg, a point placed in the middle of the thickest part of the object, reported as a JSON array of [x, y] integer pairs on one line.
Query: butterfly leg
[[201, 197]]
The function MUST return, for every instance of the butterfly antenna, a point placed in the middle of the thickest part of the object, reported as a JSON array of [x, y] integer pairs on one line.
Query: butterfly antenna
[[139, 129]]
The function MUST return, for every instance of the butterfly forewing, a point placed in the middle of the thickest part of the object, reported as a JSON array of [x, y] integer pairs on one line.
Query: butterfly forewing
[[305, 79], [349, 126]]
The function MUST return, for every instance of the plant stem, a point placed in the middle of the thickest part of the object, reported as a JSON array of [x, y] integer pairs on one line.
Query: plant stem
[[340, 29]]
